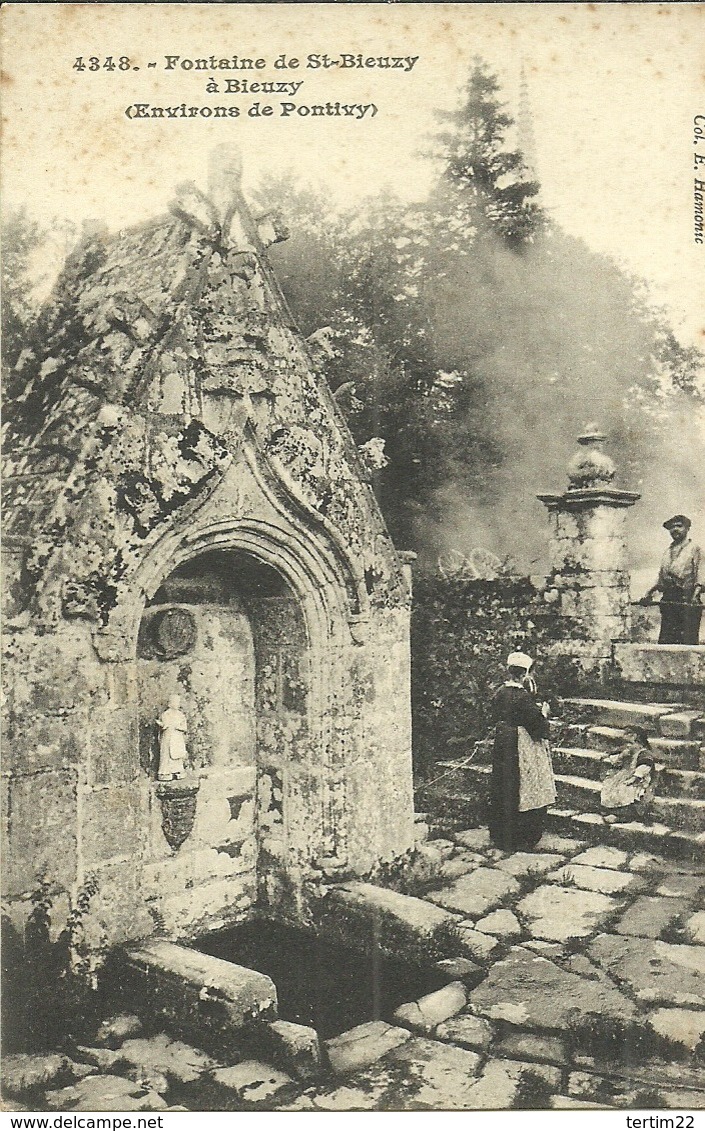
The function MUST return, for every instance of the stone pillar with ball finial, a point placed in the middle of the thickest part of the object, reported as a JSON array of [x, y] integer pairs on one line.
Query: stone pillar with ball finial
[[588, 574]]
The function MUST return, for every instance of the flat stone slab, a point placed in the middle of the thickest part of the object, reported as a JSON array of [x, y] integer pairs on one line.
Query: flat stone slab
[[359, 1047], [423, 1015], [529, 1046], [685, 1027], [461, 864], [585, 1085], [473, 838], [602, 856], [477, 945], [467, 1031], [649, 916], [655, 972], [27, 1072], [558, 913], [503, 924], [181, 980], [497, 1086], [105, 1093], [682, 1099], [460, 969], [563, 845], [101, 1059], [436, 1076], [419, 1075], [570, 1103], [252, 1083], [530, 991], [391, 908], [604, 880], [296, 1047], [694, 928], [529, 863], [478, 892], [113, 1031], [681, 884], [148, 1058], [647, 862]]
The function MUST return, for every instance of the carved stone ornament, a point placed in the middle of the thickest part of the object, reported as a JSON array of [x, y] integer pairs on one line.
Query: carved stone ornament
[[178, 802], [173, 633], [590, 466]]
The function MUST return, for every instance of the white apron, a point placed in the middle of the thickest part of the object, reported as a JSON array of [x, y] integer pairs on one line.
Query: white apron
[[537, 787]]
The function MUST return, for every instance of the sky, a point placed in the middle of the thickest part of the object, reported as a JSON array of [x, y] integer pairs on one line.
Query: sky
[[614, 90]]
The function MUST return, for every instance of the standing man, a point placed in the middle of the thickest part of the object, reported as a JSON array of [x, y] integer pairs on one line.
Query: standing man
[[681, 583]]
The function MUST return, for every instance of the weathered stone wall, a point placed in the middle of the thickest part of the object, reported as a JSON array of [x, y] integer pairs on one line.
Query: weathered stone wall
[[75, 799]]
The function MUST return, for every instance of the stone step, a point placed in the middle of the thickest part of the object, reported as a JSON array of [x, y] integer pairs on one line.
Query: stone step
[[593, 764], [682, 783], [468, 806], [577, 760], [582, 794], [621, 713], [681, 753], [677, 812], [631, 836]]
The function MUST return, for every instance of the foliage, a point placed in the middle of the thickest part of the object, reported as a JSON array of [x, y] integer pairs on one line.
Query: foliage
[[446, 941], [477, 338], [413, 874], [614, 1040], [462, 632], [22, 238], [50, 984], [533, 1092], [482, 178]]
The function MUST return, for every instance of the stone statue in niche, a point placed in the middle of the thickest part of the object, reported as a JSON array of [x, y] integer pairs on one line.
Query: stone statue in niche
[[172, 741]]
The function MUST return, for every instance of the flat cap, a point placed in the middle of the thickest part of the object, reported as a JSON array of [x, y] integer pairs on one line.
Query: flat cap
[[677, 518]]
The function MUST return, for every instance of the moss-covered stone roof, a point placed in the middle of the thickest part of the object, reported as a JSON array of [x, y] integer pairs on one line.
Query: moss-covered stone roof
[[161, 346]]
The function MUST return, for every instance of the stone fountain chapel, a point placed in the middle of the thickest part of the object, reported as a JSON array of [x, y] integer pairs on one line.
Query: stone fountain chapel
[[188, 515]]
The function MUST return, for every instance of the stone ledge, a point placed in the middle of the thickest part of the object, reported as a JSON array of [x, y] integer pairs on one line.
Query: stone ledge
[[400, 923], [668, 665], [196, 991]]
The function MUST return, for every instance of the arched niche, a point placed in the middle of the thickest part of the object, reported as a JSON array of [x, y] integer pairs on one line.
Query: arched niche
[[228, 633]]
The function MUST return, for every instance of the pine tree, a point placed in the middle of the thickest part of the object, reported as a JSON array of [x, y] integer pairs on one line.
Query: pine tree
[[481, 176]]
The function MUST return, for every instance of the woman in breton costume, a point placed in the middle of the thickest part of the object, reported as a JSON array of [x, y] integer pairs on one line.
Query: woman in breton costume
[[522, 786]]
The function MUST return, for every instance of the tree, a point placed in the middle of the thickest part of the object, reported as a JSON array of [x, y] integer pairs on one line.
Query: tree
[[480, 175], [22, 238]]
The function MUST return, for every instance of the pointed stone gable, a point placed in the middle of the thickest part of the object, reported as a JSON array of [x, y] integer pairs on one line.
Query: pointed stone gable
[[170, 351]]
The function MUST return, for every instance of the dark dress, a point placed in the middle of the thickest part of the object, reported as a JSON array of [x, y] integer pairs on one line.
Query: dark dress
[[680, 617], [510, 830]]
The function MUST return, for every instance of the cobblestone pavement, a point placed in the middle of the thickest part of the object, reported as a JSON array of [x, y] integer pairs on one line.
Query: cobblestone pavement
[[578, 981]]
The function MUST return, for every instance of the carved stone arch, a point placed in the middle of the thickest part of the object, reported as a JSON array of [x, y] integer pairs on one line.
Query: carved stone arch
[[311, 576], [281, 492]]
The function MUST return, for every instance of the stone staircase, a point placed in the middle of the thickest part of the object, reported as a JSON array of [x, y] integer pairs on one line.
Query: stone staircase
[[586, 732]]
